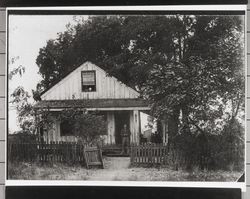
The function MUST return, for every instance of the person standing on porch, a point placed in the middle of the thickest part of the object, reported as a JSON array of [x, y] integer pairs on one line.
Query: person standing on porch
[[125, 134]]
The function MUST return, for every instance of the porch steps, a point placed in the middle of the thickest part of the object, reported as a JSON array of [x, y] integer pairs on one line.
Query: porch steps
[[116, 155], [113, 151]]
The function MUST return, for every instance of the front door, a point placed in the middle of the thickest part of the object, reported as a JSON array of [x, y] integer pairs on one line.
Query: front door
[[121, 118]]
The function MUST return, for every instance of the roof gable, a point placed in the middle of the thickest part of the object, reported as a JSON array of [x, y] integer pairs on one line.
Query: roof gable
[[107, 87]]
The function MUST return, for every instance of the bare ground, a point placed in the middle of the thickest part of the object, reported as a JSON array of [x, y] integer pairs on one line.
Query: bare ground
[[115, 168]]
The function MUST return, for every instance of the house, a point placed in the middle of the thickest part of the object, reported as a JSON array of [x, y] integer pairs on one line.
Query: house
[[91, 87]]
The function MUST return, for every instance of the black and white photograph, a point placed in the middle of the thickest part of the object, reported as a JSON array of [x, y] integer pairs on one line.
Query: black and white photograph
[[141, 96]]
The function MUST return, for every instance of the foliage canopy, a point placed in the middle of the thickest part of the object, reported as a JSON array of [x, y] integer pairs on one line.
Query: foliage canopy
[[188, 65]]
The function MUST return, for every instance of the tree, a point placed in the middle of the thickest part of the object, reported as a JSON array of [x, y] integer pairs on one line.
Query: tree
[[202, 92], [119, 44], [194, 84], [20, 69], [21, 100], [29, 118], [165, 58], [23, 107]]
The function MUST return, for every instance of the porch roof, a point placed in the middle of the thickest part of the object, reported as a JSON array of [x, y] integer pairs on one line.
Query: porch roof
[[95, 104]]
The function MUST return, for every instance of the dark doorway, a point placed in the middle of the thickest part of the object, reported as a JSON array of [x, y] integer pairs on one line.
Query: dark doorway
[[121, 118]]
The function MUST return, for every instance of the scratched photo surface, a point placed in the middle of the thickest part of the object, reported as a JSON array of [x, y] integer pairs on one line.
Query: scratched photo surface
[[126, 97]]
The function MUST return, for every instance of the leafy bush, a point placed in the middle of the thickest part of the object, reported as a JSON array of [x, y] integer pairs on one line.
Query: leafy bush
[[211, 151], [227, 149], [22, 136], [88, 126]]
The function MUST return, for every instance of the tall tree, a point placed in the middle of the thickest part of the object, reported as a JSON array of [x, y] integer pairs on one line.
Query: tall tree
[[206, 75]]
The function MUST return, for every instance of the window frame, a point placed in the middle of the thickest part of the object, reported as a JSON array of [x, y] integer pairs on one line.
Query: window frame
[[87, 71]]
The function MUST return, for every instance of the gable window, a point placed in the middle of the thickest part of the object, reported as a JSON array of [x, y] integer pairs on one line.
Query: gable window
[[67, 128], [88, 81]]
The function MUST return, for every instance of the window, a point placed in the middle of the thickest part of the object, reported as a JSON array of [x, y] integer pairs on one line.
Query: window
[[88, 81], [67, 128]]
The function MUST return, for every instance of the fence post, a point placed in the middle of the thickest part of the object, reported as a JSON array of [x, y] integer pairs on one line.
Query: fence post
[[131, 154], [100, 156], [85, 157]]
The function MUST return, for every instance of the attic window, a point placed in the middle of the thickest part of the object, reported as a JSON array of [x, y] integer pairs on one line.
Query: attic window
[[88, 81]]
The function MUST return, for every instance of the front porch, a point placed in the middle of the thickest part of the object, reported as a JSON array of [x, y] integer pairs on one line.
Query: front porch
[[115, 122], [117, 113]]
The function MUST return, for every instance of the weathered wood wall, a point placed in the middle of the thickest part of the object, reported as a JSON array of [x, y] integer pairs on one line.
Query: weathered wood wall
[[107, 87]]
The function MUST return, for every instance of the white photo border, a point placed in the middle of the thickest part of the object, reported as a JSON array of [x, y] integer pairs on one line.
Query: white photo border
[[163, 8]]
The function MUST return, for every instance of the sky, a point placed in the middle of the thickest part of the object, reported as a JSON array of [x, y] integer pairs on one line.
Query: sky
[[27, 34]]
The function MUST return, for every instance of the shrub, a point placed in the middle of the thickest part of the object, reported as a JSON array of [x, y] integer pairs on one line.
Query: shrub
[[22, 136], [211, 151], [88, 126]]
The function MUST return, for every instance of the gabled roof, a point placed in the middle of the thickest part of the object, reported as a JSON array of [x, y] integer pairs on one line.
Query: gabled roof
[[71, 71]]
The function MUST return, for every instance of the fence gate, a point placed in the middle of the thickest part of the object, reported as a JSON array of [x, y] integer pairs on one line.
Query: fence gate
[[93, 157]]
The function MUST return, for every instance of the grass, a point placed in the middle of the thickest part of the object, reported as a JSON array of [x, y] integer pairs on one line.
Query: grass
[[36, 171]]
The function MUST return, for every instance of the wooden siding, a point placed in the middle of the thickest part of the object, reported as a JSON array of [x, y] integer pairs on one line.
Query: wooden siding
[[107, 87]]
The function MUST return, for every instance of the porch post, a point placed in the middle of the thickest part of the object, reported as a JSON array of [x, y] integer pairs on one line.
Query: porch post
[[135, 126], [131, 126], [164, 131], [111, 127]]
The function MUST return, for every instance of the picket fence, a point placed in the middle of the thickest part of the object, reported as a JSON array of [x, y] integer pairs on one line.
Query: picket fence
[[148, 154], [161, 154], [63, 152], [88, 156]]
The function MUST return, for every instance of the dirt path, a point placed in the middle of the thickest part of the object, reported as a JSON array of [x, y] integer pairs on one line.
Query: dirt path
[[115, 168]]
